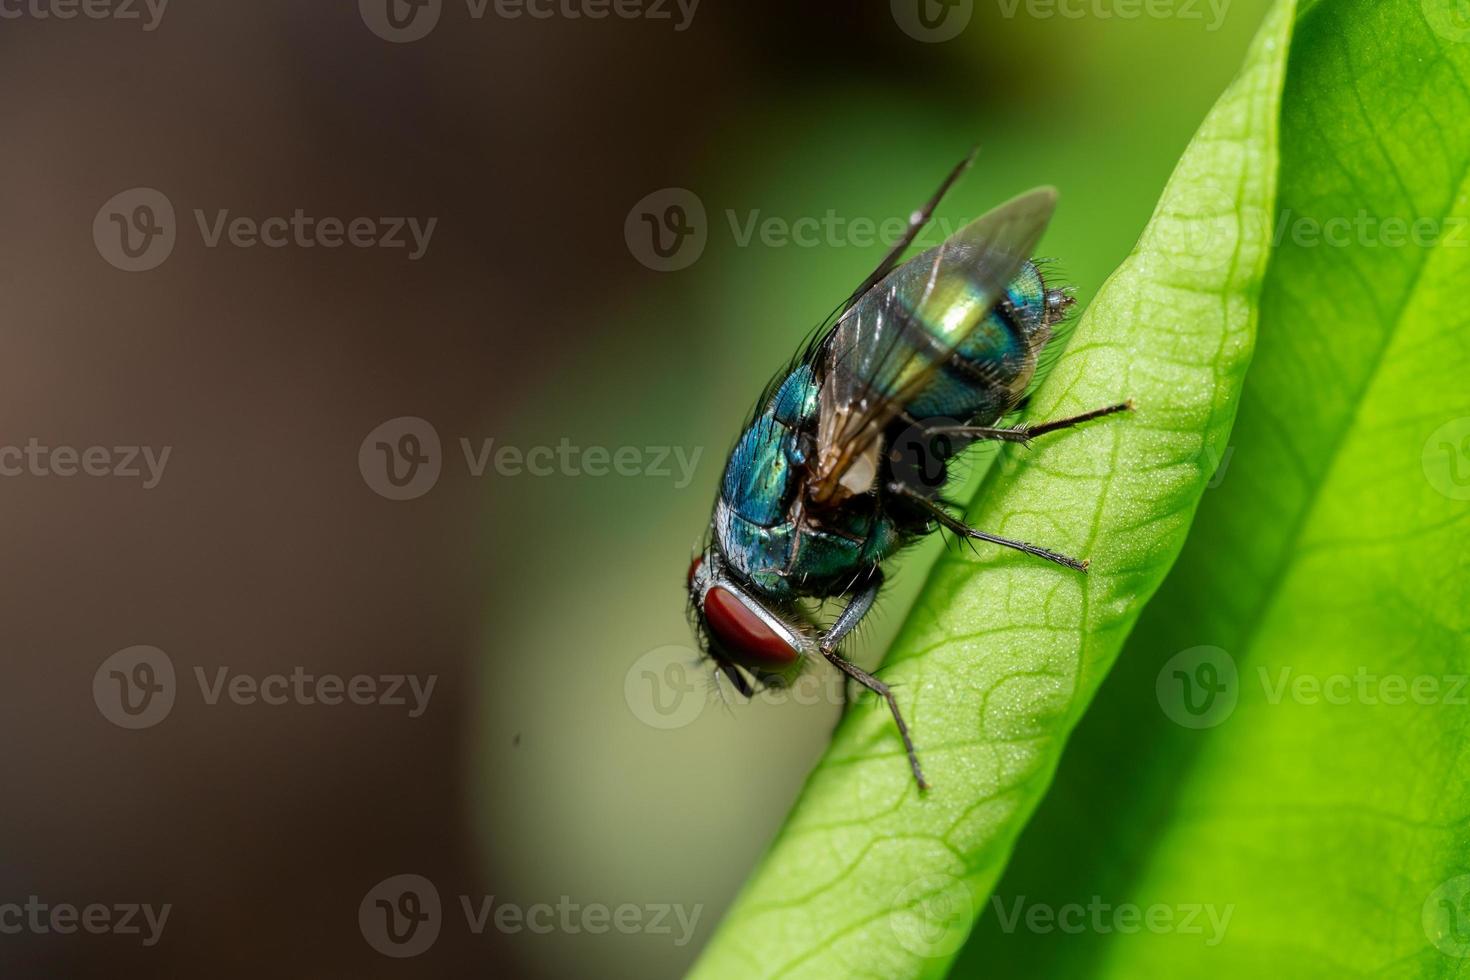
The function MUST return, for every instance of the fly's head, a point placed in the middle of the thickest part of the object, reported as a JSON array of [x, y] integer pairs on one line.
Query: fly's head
[[741, 632]]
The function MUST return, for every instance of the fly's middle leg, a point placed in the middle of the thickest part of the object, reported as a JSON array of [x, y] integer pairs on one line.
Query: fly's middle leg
[[947, 520]]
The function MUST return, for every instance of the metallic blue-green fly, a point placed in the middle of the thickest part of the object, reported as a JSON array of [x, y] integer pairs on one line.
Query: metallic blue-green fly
[[848, 452]]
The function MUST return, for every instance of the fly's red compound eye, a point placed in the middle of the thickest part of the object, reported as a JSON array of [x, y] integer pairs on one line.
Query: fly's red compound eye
[[694, 567], [743, 635]]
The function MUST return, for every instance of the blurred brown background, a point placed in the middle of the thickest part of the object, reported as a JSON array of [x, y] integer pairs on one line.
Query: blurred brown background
[[529, 320]]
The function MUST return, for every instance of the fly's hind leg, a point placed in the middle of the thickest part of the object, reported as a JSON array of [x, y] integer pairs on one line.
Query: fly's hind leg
[[947, 520], [1024, 433]]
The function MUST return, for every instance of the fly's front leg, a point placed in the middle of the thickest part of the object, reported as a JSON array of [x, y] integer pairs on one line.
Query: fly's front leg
[[736, 678], [1025, 432], [857, 608], [879, 688], [947, 520]]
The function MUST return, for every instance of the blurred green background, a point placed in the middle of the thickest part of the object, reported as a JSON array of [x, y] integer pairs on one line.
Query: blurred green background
[[592, 801]]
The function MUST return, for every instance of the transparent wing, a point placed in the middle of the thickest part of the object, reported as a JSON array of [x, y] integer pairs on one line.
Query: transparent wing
[[885, 349]]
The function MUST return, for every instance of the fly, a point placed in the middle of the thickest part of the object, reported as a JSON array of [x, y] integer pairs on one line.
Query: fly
[[846, 457]]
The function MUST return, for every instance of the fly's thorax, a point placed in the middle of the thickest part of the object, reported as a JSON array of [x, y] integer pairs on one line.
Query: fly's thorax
[[813, 553], [775, 540], [773, 452], [757, 554], [753, 520]]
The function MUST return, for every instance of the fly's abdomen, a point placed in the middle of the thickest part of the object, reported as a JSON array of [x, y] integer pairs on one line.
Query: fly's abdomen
[[989, 370]]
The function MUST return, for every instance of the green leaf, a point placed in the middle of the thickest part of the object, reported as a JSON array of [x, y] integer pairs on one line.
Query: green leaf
[[1329, 569], [1002, 653]]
